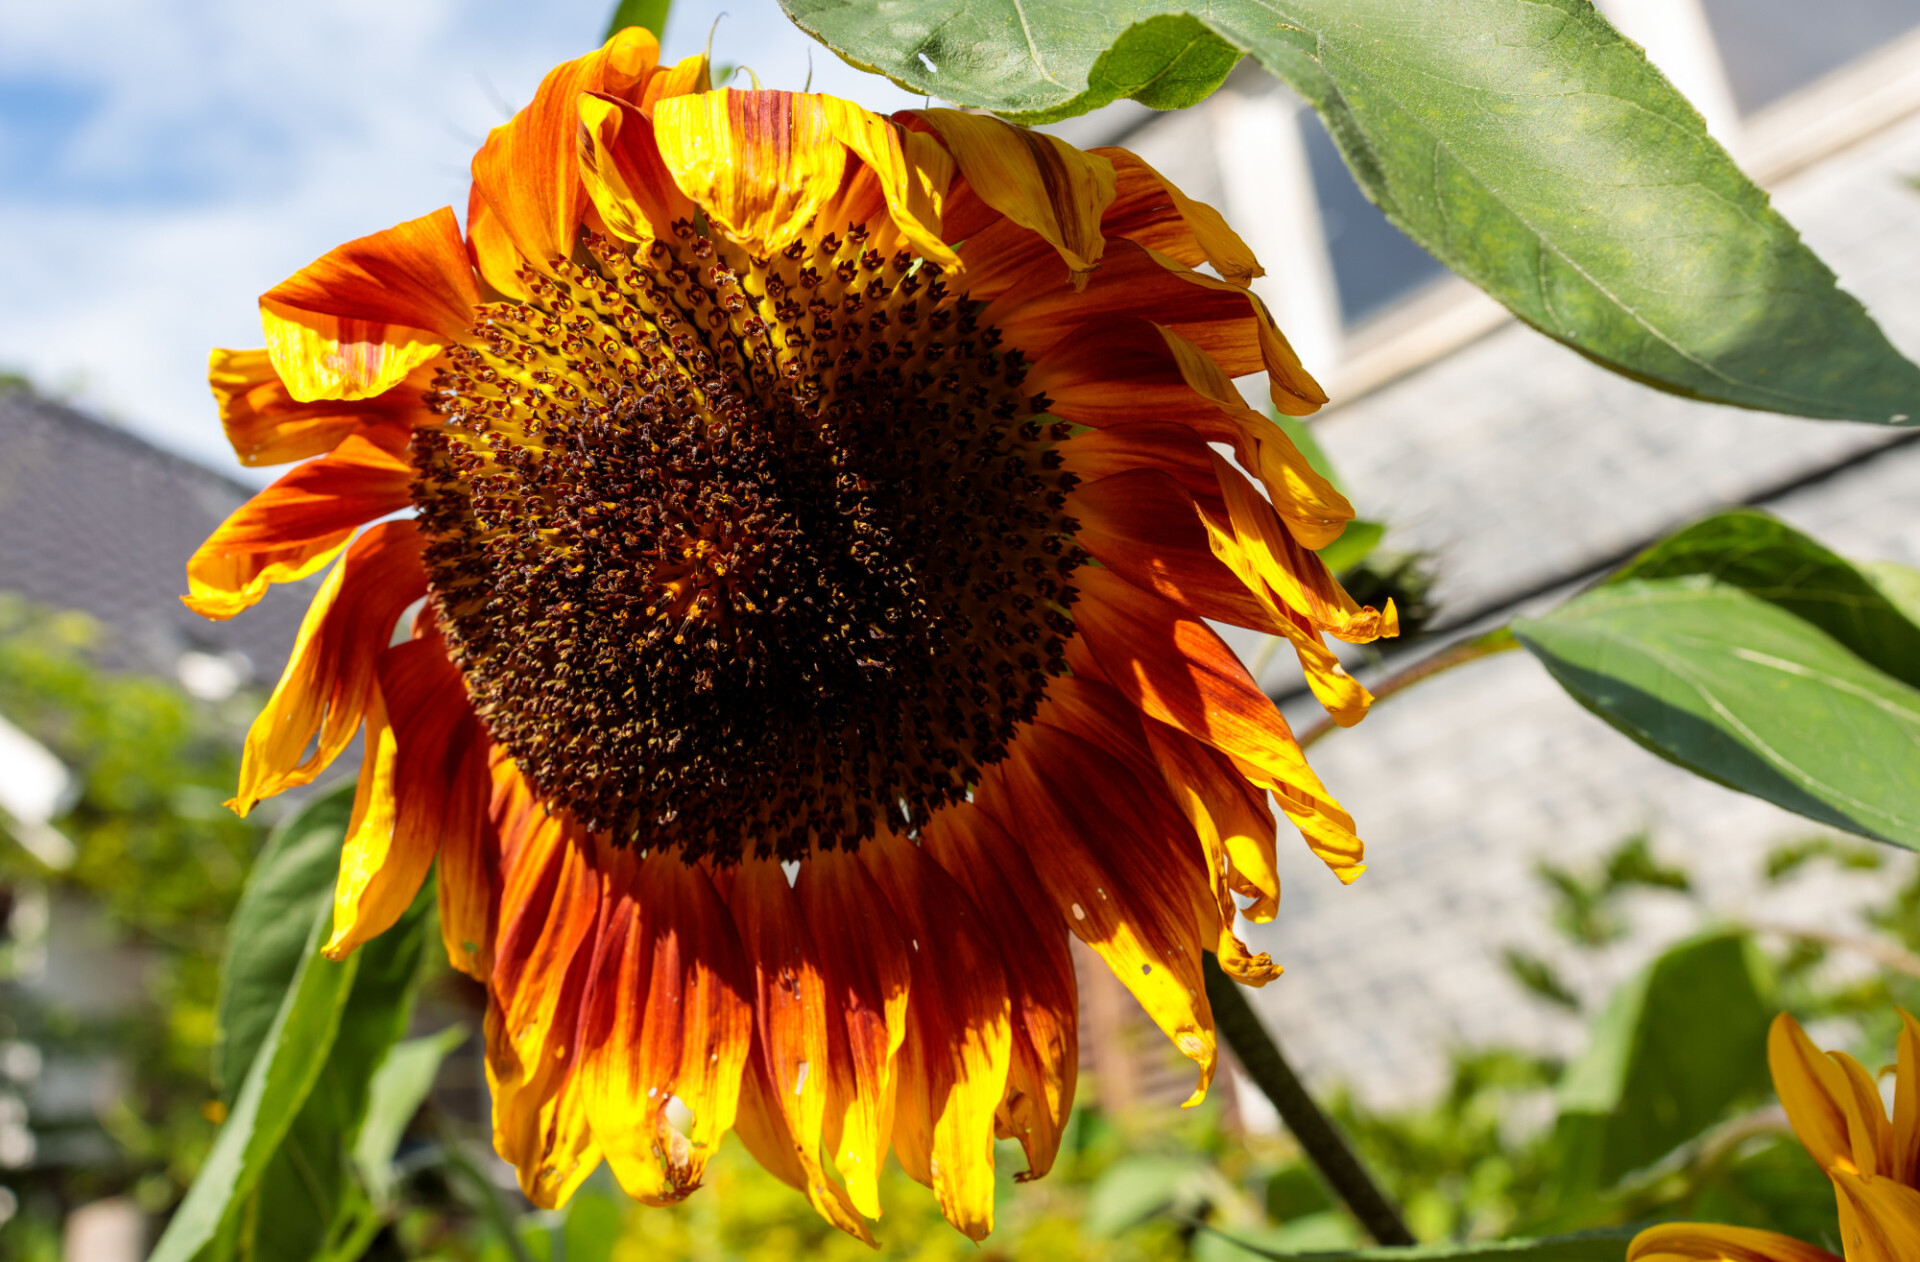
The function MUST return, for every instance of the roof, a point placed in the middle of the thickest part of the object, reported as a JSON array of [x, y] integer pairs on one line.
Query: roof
[[96, 520]]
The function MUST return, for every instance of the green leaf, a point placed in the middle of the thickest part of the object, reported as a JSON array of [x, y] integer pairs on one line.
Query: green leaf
[[1752, 656], [291, 883], [398, 1089], [309, 1194], [651, 14], [291, 1055], [1524, 143], [1675, 1048], [1765, 557], [1355, 544], [1606, 1245]]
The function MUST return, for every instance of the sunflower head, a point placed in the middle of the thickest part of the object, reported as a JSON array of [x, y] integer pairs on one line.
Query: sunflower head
[[746, 555], [819, 518]]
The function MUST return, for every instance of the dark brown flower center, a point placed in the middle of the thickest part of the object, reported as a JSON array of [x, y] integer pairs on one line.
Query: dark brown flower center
[[746, 555]]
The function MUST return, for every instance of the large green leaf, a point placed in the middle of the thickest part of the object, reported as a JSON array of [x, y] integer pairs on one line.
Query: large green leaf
[[1749, 654], [291, 882], [1525, 143], [310, 1194], [1676, 1047], [396, 1093], [291, 1055], [1765, 557]]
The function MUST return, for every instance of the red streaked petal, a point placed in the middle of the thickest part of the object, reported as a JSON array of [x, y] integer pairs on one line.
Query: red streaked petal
[[1045, 1068], [441, 789], [1144, 527], [864, 969], [1230, 324], [1098, 842], [1116, 370], [667, 1014], [793, 1017], [529, 168], [762, 164], [356, 321], [266, 425], [1148, 210], [1042, 184], [1175, 669], [549, 914], [958, 1048], [623, 172], [294, 527], [330, 675]]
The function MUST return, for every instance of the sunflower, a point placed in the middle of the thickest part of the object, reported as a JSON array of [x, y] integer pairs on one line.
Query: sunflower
[[811, 522], [1836, 1109]]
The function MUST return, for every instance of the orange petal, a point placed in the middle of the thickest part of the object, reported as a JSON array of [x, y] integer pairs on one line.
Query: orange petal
[[1813, 1089], [958, 1048], [1148, 210], [377, 883], [1116, 370], [864, 969], [1042, 184], [529, 168], [912, 169], [762, 164], [620, 165], [1879, 1219], [542, 1118], [549, 909], [762, 1128], [686, 76], [1080, 816], [267, 426], [1170, 448], [1020, 918], [668, 1014], [491, 250], [1903, 1149], [1193, 865], [793, 1017], [356, 321], [1228, 323], [330, 675], [1293, 574], [1175, 669], [1234, 825], [1144, 527], [1867, 1125], [294, 527], [441, 787], [1711, 1242]]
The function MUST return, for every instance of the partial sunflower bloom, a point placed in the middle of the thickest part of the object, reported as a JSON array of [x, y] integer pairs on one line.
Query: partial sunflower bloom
[[1836, 1110], [817, 516]]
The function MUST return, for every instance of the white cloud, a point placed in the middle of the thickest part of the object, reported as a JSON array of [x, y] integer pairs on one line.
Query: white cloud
[[163, 163]]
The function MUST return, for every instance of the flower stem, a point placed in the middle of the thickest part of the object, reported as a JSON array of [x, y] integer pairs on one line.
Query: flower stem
[[1498, 640], [1324, 1145]]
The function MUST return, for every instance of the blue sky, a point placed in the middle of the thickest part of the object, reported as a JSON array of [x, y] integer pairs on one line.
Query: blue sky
[[164, 161]]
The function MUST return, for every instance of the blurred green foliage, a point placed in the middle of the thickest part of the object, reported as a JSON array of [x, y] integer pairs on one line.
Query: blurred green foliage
[[1508, 1147], [159, 863]]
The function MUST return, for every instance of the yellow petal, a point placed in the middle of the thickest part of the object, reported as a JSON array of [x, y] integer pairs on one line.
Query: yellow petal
[[1711, 1242], [1043, 184], [762, 164]]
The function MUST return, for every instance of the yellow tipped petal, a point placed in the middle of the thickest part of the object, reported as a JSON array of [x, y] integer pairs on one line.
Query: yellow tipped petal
[[1043, 184]]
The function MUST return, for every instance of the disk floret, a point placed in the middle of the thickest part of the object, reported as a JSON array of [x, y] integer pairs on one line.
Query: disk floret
[[746, 554]]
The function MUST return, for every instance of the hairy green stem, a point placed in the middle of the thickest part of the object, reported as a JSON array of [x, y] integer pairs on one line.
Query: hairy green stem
[[1324, 1145]]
